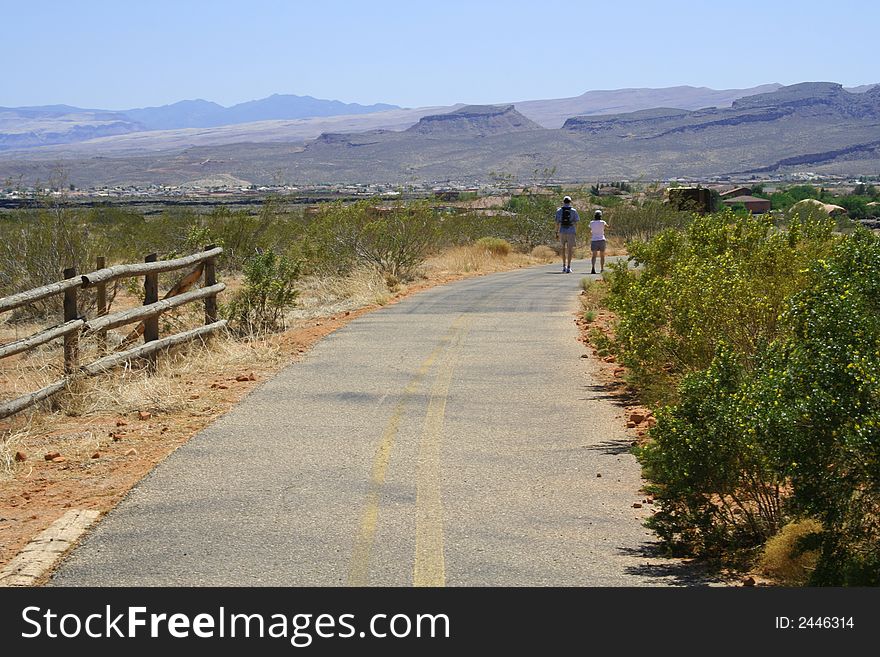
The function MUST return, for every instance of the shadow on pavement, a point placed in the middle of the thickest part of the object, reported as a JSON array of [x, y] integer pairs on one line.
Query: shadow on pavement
[[613, 447], [676, 572], [615, 393]]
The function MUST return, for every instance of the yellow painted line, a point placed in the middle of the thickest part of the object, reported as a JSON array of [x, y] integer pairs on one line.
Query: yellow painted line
[[359, 572], [429, 567]]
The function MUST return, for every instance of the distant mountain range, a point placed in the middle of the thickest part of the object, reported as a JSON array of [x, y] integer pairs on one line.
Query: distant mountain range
[[30, 127], [203, 114], [818, 125], [553, 113], [23, 128]]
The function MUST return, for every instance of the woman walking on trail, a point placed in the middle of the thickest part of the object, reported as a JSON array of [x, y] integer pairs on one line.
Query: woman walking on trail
[[597, 239], [566, 230]]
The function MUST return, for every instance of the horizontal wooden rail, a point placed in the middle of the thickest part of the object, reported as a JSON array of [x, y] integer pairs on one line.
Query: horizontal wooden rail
[[37, 294], [136, 314], [148, 314], [139, 269], [42, 337], [149, 348], [16, 405]]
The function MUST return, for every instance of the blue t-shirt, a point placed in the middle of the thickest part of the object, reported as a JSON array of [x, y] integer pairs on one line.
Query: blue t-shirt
[[574, 219]]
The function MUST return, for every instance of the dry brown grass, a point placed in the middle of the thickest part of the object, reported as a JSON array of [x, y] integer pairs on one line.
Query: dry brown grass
[[474, 259], [124, 391], [322, 295], [593, 293], [544, 253], [614, 246], [780, 559], [166, 391]]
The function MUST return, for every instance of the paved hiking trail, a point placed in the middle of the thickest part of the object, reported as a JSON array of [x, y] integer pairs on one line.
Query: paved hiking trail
[[454, 438]]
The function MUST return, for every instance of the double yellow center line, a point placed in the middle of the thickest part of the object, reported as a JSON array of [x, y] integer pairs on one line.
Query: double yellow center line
[[429, 563]]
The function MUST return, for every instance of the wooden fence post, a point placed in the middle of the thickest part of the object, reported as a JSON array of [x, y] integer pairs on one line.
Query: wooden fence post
[[210, 279], [151, 324], [71, 341], [101, 293]]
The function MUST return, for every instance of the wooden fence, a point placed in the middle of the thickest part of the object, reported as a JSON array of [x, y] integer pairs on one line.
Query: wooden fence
[[73, 327]]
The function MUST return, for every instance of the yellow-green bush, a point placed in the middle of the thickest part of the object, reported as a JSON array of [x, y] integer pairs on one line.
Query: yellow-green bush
[[494, 245], [785, 558]]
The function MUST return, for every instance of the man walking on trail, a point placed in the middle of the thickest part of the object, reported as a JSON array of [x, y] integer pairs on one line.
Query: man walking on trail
[[566, 230], [597, 239]]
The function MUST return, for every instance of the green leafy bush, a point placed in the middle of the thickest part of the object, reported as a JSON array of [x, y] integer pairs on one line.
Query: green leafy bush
[[718, 487], [267, 293], [723, 280], [826, 411], [773, 338]]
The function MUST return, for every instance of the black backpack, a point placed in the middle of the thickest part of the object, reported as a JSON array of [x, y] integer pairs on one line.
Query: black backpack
[[566, 217]]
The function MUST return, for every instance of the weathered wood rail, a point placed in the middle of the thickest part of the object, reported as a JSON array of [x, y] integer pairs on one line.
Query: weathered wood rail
[[73, 327]]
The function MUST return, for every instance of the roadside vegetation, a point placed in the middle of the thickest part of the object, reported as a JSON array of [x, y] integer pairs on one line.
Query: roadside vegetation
[[759, 349]]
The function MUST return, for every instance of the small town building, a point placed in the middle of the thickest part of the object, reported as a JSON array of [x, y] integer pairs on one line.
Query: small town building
[[734, 192], [753, 204]]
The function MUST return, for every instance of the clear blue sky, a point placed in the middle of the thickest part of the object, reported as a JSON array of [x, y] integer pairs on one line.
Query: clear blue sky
[[120, 54]]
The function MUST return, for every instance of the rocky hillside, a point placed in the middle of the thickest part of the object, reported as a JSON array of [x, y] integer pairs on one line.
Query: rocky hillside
[[473, 121], [30, 127], [553, 113]]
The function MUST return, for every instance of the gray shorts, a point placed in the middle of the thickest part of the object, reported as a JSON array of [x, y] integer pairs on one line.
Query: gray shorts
[[597, 245], [568, 238]]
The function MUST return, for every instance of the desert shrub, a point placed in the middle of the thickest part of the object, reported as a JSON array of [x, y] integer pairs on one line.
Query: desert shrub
[[643, 221], [723, 279], [783, 424], [35, 247], [268, 291], [394, 239], [461, 227], [717, 487], [494, 245], [242, 233], [530, 221], [786, 556]]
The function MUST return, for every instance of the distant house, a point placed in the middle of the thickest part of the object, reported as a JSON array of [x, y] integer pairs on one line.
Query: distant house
[[753, 204], [695, 199], [736, 191]]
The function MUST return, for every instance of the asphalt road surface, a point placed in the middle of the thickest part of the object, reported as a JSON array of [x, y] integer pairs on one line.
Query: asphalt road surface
[[455, 438]]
